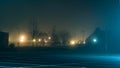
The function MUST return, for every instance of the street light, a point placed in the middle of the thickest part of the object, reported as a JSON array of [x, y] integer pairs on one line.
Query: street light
[[45, 41], [72, 42], [49, 38], [22, 39], [84, 42], [34, 40], [94, 40], [39, 40]]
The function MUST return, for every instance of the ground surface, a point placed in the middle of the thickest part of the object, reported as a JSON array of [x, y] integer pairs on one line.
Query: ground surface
[[57, 60]]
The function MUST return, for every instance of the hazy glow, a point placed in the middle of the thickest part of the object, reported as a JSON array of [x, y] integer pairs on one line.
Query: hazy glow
[[94, 40], [22, 38], [34, 40], [49, 38], [39, 40], [84, 42], [72, 42], [45, 41]]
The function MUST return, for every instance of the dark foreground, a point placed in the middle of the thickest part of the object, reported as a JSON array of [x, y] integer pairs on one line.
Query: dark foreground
[[38, 60], [57, 58]]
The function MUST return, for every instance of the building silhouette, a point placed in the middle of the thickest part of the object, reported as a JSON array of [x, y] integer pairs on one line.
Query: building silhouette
[[97, 39], [4, 36]]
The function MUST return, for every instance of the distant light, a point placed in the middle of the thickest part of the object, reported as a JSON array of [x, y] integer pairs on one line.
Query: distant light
[[94, 40], [84, 42], [34, 40], [22, 38], [49, 38], [39, 40], [45, 41], [72, 42]]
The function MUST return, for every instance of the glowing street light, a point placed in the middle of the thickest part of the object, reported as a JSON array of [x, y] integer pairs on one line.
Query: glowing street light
[[22, 39], [72, 42], [49, 38], [34, 40], [45, 41], [94, 40], [84, 42], [39, 40]]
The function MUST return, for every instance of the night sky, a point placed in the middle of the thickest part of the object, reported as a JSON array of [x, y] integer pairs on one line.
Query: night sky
[[72, 15]]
